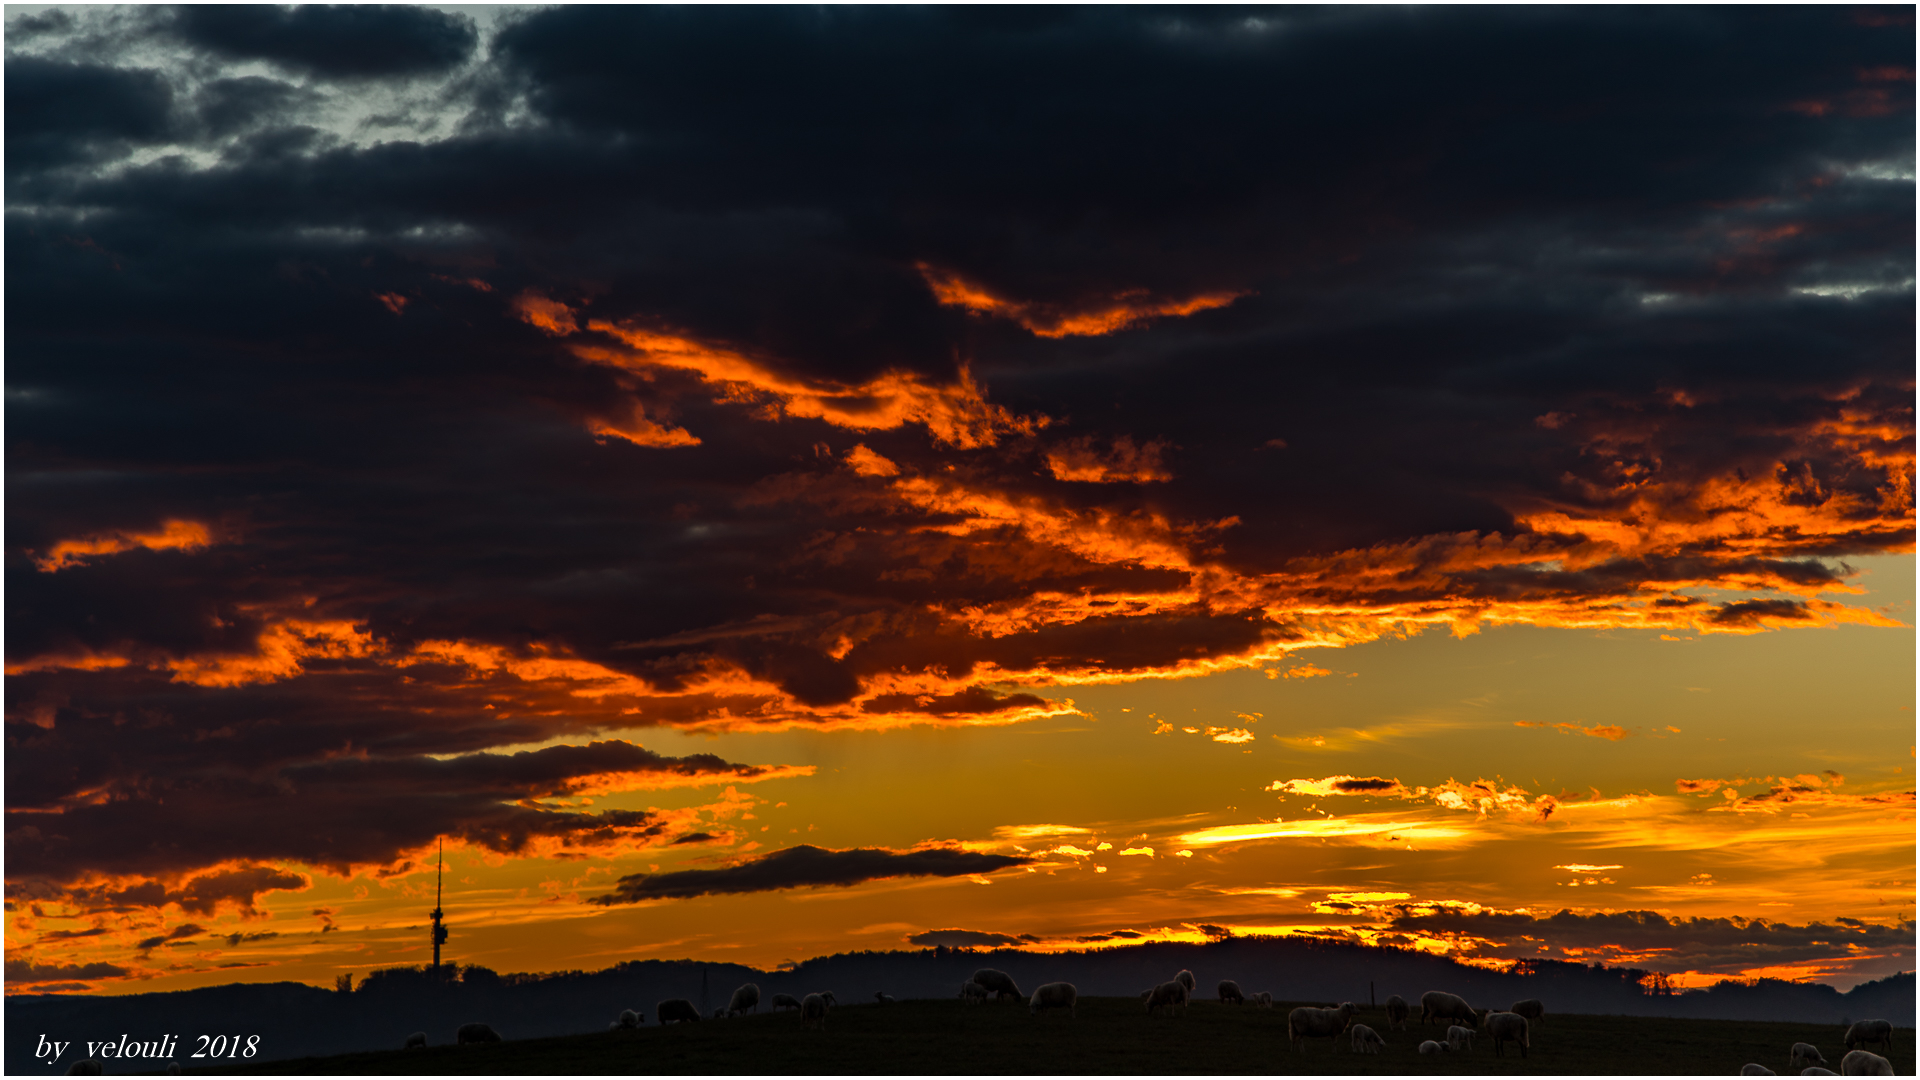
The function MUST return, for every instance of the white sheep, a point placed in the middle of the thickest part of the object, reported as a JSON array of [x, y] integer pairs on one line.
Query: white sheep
[[1756, 1069], [1264, 999], [470, 1034], [1868, 1032], [1803, 1055], [1502, 1026], [883, 999], [1531, 1009], [1440, 1005], [1185, 978], [676, 1011], [745, 999], [999, 984], [1865, 1062], [631, 1018], [1229, 991], [1431, 1047], [973, 993], [785, 1001], [1054, 995], [1458, 1037], [1307, 1022], [1366, 1040], [416, 1041], [1397, 1013], [1168, 995], [813, 1011]]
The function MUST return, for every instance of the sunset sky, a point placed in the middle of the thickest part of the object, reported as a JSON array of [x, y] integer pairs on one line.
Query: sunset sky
[[762, 483]]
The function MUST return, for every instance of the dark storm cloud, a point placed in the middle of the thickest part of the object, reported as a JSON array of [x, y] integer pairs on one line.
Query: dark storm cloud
[[331, 40], [26, 971], [957, 938], [846, 366], [804, 866], [1698, 944]]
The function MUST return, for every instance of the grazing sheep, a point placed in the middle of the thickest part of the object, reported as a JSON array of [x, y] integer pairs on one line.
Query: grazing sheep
[[1264, 999], [1397, 1013], [1431, 1047], [1170, 995], [1440, 1005], [1502, 1026], [813, 1011], [1054, 995], [84, 1067], [1230, 992], [1366, 1040], [1752, 1069], [1815, 1070], [1868, 1032], [1307, 1022], [416, 1041], [1458, 1037], [883, 999], [470, 1034], [999, 984], [785, 1001], [1531, 1009], [745, 999], [720, 1012], [1186, 979], [676, 1011], [827, 996], [1865, 1062], [1803, 1055], [973, 993]]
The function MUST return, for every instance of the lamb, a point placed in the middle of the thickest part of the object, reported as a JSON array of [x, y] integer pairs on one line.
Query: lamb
[[973, 993], [676, 1011], [1502, 1026], [1431, 1047], [1440, 1005], [1264, 999], [1054, 995], [1397, 1013], [631, 1018], [1868, 1032], [883, 999], [1815, 1070], [470, 1034], [785, 1001], [999, 984], [1186, 979], [745, 999], [1755, 1069], [1230, 992], [1366, 1040], [813, 1011], [1307, 1022], [1458, 1037], [1865, 1062], [720, 1012], [1803, 1055], [1170, 995], [1531, 1009], [416, 1041]]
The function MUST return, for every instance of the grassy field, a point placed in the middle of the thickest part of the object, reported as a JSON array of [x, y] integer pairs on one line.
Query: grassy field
[[1110, 1035]]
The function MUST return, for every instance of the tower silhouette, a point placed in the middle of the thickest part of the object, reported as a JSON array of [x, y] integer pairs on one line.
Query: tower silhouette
[[439, 931]]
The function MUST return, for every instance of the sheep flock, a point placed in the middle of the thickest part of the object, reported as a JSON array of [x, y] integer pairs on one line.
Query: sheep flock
[[1446, 1024]]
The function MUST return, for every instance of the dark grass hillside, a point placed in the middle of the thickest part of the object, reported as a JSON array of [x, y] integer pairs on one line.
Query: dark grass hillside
[[1110, 1035]]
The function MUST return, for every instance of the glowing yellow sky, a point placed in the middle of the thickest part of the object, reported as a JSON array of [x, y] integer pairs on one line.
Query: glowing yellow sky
[[1153, 811]]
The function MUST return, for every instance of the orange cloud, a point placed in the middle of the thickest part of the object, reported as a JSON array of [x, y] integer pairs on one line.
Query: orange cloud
[[1081, 461], [640, 431], [552, 316], [1609, 732], [956, 414], [173, 535], [1120, 312]]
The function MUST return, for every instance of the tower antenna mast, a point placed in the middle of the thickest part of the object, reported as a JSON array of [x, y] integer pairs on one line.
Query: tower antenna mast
[[439, 931]]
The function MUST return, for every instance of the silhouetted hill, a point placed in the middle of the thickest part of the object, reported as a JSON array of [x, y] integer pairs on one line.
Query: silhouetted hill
[[296, 1020]]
